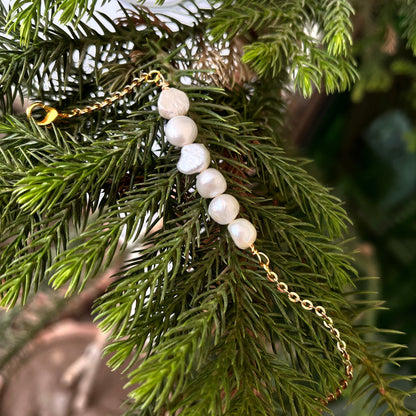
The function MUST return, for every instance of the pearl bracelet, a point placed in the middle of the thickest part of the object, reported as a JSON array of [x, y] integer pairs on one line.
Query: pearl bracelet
[[181, 131]]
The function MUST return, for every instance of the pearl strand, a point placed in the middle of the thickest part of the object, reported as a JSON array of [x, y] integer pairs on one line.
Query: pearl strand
[[181, 131]]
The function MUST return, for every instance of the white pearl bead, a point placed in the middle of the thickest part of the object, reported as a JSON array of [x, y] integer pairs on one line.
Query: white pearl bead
[[172, 102], [223, 209], [181, 130], [194, 158], [210, 183], [242, 232]]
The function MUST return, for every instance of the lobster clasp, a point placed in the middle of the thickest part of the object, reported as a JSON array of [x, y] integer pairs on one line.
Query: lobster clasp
[[51, 113]]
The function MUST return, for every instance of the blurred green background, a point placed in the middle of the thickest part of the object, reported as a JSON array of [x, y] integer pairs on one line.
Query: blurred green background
[[363, 144]]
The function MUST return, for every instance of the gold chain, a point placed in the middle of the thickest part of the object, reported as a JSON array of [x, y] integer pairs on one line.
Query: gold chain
[[320, 311], [52, 114]]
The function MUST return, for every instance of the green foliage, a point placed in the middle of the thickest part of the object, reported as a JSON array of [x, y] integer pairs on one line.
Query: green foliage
[[280, 29], [203, 330], [378, 383], [385, 30], [408, 14], [337, 26], [25, 16], [282, 40]]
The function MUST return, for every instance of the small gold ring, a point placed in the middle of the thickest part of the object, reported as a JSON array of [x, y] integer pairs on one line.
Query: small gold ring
[[153, 76], [157, 78]]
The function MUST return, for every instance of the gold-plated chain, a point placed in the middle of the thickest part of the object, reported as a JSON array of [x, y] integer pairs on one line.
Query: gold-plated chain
[[52, 114], [320, 311]]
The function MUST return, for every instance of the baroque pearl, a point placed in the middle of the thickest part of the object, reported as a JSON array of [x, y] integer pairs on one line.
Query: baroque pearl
[[181, 130], [223, 209], [210, 183], [194, 158], [242, 232], [172, 102]]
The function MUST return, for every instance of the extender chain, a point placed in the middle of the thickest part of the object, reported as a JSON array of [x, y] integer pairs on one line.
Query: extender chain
[[181, 131], [306, 304], [52, 114]]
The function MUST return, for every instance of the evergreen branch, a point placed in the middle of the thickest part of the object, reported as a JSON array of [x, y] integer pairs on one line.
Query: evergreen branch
[[196, 312], [408, 14], [28, 242], [298, 242], [233, 16], [27, 145], [378, 387], [308, 70], [306, 76], [282, 41], [55, 60], [99, 243], [214, 368], [175, 357], [338, 75], [375, 388], [285, 175], [35, 204], [23, 13], [133, 285], [27, 253], [243, 341], [162, 308], [146, 279], [59, 184], [337, 26], [295, 184], [269, 58], [19, 331]]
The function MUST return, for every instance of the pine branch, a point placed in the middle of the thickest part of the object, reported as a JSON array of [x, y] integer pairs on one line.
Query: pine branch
[[47, 197], [337, 26], [282, 41], [233, 294], [232, 17], [408, 14], [98, 244], [189, 311], [23, 13], [65, 60], [375, 388]]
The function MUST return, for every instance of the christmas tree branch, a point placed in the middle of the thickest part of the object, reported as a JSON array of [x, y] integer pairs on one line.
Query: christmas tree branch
[[408, 14], [202, 328]]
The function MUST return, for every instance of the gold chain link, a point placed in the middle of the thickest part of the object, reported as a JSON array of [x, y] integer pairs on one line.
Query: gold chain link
[[320, 311], [52, 115]]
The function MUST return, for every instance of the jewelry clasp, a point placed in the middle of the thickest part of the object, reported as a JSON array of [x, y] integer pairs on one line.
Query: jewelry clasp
[[51, 113]]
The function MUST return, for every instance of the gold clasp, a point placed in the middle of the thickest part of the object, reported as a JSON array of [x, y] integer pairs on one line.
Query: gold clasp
[[51, 113]]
